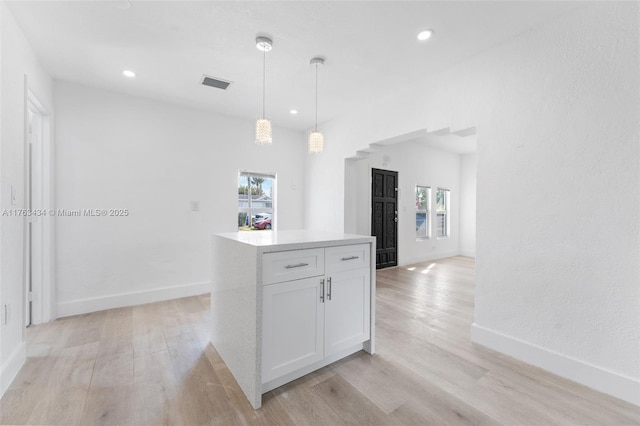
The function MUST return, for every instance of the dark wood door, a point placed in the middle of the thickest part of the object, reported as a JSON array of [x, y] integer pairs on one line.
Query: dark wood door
[[384, 216]]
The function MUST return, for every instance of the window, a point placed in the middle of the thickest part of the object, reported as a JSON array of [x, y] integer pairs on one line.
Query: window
[[423, 207], [442, 212], [256, 201]]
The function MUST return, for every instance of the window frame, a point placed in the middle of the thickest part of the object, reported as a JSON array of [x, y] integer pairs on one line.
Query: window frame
[[426, 212], [446, 211], [250, 210]]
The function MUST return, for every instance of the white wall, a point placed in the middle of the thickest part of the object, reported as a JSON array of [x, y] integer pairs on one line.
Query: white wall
[[558, 215], [416, 165], [468, 171], [17, 61], [122, 152]]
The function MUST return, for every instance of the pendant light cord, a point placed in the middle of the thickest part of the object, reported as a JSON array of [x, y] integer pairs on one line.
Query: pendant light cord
[[264, 81], [316, 128]]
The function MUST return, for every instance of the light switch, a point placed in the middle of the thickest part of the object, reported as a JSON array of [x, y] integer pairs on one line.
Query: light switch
[[195, 206]]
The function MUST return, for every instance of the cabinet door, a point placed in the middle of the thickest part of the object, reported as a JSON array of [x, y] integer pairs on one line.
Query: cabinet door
[[292, 328], [347, 310]]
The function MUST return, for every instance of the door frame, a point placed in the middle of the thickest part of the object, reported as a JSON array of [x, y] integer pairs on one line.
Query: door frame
[[38, 194]]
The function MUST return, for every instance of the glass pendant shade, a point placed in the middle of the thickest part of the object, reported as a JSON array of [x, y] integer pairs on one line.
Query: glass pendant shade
[[316, 142], [263, 131]]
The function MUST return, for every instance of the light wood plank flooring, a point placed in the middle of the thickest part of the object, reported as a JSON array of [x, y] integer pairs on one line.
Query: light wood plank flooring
[[153, 364]]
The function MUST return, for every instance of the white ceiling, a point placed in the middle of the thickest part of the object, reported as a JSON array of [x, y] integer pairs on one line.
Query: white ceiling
[[370, 47]]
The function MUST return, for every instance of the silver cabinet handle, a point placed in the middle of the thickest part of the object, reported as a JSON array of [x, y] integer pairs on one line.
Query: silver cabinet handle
[[329, 291], [297, 265], [322, 291], [350, 258]]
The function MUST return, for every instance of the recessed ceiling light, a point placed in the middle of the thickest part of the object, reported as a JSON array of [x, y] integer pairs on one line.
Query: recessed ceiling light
[[293, 112], [425, 35], [128, 73]]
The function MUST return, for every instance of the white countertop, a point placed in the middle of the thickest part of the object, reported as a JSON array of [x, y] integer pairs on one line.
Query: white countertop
[[279, 240]]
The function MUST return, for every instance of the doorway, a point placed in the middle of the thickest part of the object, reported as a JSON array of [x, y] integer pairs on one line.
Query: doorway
[[38, 225], [384, 216]]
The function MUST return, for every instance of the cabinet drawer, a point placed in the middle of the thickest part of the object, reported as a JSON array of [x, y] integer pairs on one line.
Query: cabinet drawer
[[292, 265], [346, 258]]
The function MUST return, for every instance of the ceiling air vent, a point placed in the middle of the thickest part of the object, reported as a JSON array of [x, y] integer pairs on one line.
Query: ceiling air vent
[[215, 82]]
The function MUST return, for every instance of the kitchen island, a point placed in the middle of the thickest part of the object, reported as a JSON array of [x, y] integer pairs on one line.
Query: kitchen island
[[286, 303]]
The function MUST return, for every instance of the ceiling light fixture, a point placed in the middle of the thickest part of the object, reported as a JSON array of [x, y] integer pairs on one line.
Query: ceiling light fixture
[[128, 73], [293, 112], [316, 140], [263, 125], [425, 35]]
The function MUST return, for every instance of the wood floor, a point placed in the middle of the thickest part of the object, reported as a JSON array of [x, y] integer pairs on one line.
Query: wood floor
[[152, 364]]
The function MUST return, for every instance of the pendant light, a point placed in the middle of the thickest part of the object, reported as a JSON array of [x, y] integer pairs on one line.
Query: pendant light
[[316, 140], [263, 125]]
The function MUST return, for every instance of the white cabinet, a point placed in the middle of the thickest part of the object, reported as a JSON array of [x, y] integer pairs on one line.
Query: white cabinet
[[292, 265], [292, 326], [286, 303], [346, 311], [345, 258], [309, 320]]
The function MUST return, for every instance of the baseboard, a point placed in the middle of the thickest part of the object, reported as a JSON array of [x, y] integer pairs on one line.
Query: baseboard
[[84, 306], [614, 384], [12, 366], [468, 253], [425, 258]]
